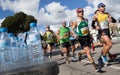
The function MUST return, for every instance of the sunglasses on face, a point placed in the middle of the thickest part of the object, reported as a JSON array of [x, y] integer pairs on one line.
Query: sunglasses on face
[[80, 11], [103, 6]]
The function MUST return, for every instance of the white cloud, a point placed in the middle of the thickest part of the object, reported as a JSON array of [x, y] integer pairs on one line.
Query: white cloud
[[20, 5], [52, 7], [88, 11], [1, 20], [49, 15], [54, 12]]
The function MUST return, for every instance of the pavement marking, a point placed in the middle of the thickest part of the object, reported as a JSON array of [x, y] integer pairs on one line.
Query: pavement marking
[[85, 61], [114, 67], [118, 68]]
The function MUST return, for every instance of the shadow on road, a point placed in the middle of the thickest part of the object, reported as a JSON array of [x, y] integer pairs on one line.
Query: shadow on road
[[101, 71]]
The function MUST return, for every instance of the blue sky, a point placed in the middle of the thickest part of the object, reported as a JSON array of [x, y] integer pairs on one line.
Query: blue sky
[[5, 13], [71, 4]]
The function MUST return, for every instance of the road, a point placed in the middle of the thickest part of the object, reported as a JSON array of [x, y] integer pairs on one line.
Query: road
[[84, 67]]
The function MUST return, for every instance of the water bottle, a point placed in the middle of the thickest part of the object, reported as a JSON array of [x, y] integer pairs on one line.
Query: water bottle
[[22, 36], [14, 49], [23, 47], [18, 53], [34, 43], [1, 53], [5, 47]]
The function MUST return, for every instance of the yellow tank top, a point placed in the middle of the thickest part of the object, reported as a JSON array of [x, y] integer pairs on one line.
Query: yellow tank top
[[102, 19]]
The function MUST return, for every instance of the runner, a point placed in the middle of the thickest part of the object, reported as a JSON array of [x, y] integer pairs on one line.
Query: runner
[[100, 43], [50, 39], [73, 42], [63, 34], [83, 36], [102, 18]]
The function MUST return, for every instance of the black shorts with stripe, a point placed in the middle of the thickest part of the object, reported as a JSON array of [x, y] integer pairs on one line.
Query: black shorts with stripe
[[84, 41], [105, 31]]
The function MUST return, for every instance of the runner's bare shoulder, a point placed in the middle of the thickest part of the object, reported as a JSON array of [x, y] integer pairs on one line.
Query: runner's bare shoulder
[[75, 23]]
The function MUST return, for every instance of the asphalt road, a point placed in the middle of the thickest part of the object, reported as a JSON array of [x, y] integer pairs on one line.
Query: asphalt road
[[84, 67]]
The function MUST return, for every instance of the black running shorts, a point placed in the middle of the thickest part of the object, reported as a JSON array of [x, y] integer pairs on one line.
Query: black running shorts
[[84, 41]]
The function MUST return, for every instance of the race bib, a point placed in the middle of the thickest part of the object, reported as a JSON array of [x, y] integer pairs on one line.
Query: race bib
[[66, 35], [104, 24], [84, 31], [50, 36]]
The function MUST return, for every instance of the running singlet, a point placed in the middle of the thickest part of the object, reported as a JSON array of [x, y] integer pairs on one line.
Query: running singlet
[[71, 36], [102, 19], [82, 29], [64, 34], [49, 37]]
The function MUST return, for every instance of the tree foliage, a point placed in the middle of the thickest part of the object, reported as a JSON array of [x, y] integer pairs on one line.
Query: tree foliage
[[18, 23]]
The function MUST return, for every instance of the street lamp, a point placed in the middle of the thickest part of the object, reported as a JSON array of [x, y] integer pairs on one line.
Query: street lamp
[[61, 12]]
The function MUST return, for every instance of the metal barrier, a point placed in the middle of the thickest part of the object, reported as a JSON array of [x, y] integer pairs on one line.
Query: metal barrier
[[115, 30]]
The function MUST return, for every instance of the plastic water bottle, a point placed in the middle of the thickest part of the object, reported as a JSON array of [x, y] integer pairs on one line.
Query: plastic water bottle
[[18, 52], [1, 53], [22, 36], [34, 43], [23, 48], [5, 47], [14, 49]]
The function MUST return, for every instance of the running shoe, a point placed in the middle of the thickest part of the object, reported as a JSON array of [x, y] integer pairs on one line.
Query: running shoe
[[97, 68], [50, 54], [74, 59], [100, 62], [104, 59], [67, 61]]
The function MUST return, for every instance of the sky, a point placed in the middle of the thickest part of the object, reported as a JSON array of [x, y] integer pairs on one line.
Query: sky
[[51, 12]]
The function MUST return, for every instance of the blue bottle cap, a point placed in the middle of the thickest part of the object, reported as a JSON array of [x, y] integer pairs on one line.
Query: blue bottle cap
[[10, 34], [33, 24], [3, 29]]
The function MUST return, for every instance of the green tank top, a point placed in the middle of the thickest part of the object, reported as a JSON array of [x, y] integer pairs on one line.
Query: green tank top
[[64, 34], [82, 29], [49, 37]]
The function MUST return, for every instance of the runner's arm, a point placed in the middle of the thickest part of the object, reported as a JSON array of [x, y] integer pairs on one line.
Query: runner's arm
[[53, 33], [57, 34], [95, 21], [109, 18], [44, 36], [54, 36], [74, 26]]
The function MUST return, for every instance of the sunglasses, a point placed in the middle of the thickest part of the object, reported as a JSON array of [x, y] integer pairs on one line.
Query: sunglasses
[[80, 11], [103, 6]]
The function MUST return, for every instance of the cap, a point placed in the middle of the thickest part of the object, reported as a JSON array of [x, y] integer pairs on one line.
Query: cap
[[3, 29], [79, 10], [10, 34], [33, 24], [100, 5]]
